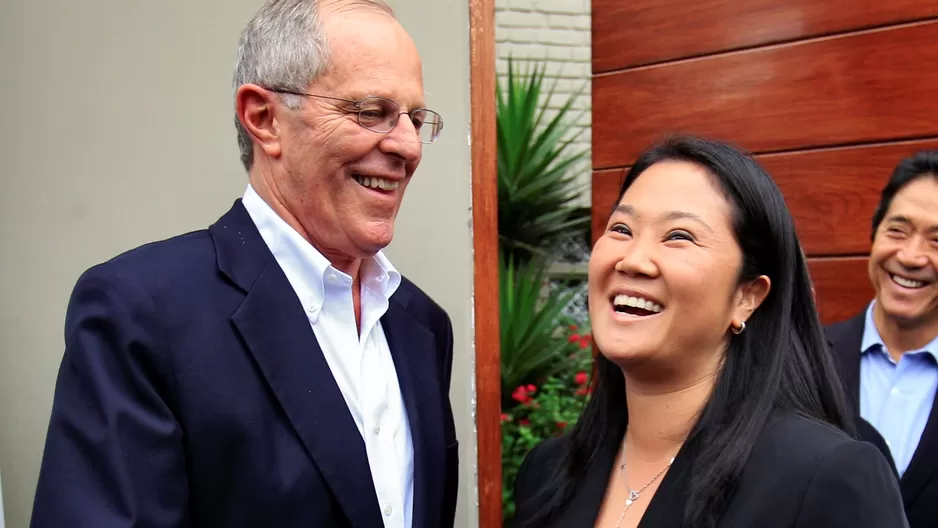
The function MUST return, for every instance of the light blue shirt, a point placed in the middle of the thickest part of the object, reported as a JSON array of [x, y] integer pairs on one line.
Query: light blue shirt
[[896, 398]]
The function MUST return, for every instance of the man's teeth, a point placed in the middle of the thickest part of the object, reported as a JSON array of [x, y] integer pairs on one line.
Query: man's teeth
[[377, 183], [636, 302], [906, 282]]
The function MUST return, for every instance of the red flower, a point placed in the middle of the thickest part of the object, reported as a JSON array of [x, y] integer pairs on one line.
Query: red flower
[[573, 328], [520, 395], [581, 378], [583, 391], [531, 389], [574, 338], [585, 343], [524, 421], [505, 418], [561, 425]]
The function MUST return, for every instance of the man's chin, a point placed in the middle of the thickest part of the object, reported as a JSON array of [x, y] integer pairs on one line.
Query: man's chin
[[906, 315]]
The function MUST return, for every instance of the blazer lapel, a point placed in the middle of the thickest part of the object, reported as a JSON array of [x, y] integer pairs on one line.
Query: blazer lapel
[[278, 334], [666, 509], [413, 349], [586, 502], [845, 340], [924, 461]]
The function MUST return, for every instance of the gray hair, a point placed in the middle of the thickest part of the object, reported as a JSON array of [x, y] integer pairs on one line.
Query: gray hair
[[284, 46]]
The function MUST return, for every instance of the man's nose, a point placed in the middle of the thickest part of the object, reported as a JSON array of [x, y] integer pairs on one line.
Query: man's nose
[[403, 140], [913, 254]]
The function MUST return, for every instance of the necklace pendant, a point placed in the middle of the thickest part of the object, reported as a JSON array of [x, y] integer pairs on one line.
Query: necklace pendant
[[633, 496], [628, 502]]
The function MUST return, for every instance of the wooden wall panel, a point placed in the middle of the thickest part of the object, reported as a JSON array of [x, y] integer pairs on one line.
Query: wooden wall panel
[[831, 192], [864, 87], [635, 32], [842, 287], [605, 190]]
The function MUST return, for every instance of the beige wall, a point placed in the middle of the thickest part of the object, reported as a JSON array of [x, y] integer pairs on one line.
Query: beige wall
[[118, 130]]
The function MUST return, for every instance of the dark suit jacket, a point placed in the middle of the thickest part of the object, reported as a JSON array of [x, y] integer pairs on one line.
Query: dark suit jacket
[[919, 483], [801, 474], [193, 393]]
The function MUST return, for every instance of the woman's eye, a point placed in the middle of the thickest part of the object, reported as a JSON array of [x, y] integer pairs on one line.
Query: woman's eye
[[621, 228], [680, 235]]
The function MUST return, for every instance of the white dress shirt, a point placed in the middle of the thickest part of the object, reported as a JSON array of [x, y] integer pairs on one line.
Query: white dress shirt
[[361, 363]]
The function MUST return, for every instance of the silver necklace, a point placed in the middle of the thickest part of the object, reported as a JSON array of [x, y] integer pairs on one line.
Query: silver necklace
[[634, 494]]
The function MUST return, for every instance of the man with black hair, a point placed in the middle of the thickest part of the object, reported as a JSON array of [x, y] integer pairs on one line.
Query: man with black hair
[[888, 354]]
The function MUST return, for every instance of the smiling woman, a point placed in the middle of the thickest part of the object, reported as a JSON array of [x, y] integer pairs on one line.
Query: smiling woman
[[716, 401]]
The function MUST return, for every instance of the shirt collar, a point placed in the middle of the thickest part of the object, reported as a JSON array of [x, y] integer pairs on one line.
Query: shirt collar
[[306, 268], [872, 337]]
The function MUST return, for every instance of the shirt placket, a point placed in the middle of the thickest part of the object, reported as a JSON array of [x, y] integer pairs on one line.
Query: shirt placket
[[380, 430]]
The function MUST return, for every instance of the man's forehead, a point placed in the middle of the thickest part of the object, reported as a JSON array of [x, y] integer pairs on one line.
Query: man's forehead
[[916, 203]]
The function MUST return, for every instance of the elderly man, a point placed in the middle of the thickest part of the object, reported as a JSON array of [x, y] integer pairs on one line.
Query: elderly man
[[274, 369], [888, 355]]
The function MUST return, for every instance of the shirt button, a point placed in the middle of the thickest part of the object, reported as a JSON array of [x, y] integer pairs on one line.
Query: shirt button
[[377, 429], [387, 509]]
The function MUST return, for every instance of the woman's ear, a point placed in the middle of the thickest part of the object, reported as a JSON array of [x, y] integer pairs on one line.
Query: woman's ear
[[751, 296]]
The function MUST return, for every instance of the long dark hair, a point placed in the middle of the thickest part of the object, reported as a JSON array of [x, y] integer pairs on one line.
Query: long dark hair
[[780, 362]]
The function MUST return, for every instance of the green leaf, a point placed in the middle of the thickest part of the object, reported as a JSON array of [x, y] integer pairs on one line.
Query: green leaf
[[538, 166]]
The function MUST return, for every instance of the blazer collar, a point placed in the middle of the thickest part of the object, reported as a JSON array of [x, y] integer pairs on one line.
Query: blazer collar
[[845, 339], [666, 509]]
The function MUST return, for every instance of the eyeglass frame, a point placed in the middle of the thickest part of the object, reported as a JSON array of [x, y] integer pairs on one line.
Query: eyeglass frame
[[358, 106]]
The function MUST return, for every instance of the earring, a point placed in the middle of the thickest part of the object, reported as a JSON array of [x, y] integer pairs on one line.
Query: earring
[[742, 326]]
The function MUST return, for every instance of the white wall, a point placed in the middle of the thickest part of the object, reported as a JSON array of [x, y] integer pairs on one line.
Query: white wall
[[118, 130], [556, 32], [433, 240]]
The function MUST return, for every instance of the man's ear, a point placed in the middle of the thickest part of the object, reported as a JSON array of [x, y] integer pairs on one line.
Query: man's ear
[[751, 296], [257, 111]]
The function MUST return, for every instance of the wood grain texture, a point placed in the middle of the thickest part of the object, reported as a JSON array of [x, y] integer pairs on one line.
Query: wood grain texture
[[636, 32], [842, 287], [831, 193], [864, 87], [485, 260], [605, 190]]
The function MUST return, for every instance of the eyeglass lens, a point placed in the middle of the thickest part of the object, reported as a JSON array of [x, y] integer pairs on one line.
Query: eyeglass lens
[[381, 115]]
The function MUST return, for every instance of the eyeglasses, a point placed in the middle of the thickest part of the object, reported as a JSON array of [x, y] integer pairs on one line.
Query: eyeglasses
[[381, 115]]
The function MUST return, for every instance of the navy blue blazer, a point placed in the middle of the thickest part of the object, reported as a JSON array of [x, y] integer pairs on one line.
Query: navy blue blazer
[[919, 483], [193, 392]]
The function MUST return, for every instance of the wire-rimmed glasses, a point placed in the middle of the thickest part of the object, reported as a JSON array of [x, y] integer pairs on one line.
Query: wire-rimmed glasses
[[381, 115]]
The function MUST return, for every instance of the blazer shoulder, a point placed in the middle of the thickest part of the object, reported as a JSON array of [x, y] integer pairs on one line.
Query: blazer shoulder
[[173, 259], [171, 278], [802, 439], [804, 473], [791, 447]]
